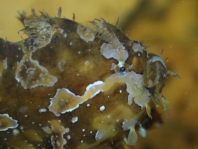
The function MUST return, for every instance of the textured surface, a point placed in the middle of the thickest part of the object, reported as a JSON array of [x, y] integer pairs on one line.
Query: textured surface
[[75, 87], [170, 26]]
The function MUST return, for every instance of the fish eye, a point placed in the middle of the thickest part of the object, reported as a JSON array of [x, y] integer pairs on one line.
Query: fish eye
[[122, 69]]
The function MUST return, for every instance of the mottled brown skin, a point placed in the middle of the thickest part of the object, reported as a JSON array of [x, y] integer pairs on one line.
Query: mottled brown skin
[[14, 97]]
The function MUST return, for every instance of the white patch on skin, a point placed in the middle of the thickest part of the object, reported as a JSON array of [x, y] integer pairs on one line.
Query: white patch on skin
[[102, 108], [7, 122], [135, 87], [114, 49], [61, 65], [66, 101], [99, 135], [74, 119], [68, 137], [132, 136], [40, 33], [5, 63], [42, 110], [127, 124], [36, 75], [85, 33], [16, 132], [142, 132], [117, 52], [47, 129], [65, 35], [67, 130]]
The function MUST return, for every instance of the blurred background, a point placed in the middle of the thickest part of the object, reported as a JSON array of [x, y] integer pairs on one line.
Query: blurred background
[[170, 26]]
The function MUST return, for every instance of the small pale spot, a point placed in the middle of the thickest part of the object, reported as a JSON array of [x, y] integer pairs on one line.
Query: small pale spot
[[65, 35], [42, 110], [68, 137], [74, 119], [102, 108]]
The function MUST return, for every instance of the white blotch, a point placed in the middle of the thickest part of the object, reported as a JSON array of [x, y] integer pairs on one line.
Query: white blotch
[[142, 132], [102, 108], [132, 135], [65, 35], [74, 119], [99, 135], [16, 132], [85, 33], [67, 130], [68, 137], [5, 63], [57, 102], [110, 51], [42, 110]]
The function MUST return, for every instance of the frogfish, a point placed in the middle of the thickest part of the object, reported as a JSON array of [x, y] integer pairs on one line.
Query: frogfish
[[67, 86]]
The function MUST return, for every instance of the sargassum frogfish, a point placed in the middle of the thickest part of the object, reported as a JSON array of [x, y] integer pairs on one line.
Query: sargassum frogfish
[[73, 87]]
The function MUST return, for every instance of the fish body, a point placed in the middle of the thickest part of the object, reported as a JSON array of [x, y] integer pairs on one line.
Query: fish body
[[69, 86]]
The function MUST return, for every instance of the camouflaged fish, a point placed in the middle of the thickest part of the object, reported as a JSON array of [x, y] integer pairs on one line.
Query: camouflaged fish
[[68, 86]]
